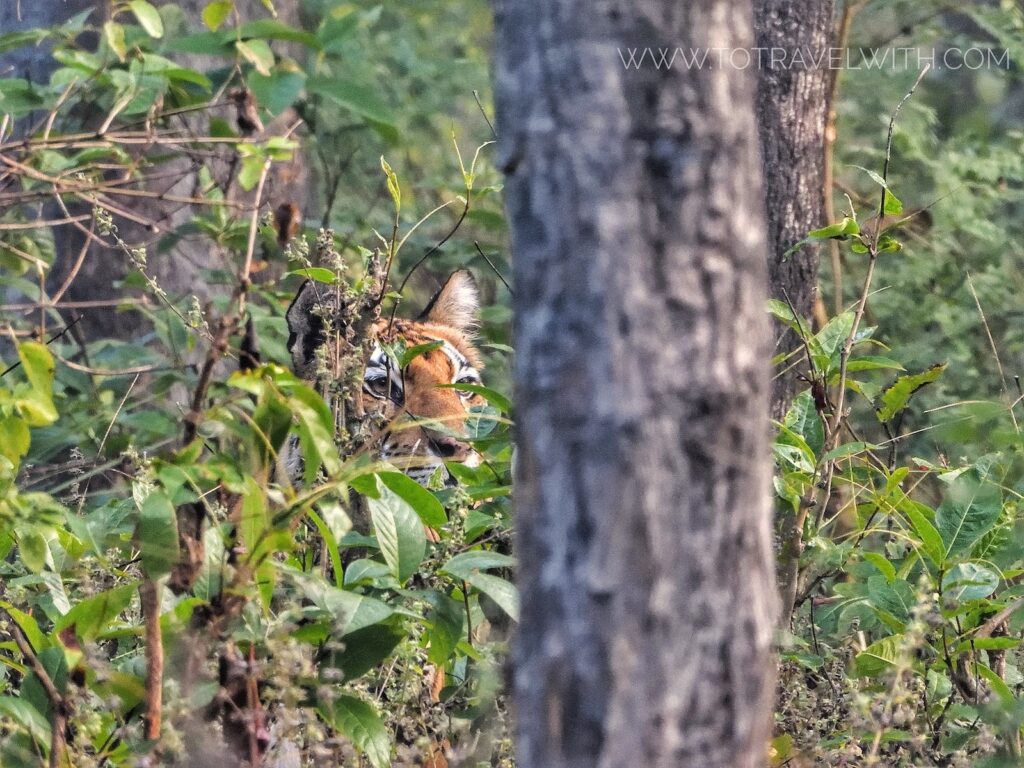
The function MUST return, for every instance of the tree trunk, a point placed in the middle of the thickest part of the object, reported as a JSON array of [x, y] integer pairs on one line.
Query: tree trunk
[[792, 104], [634, 200]]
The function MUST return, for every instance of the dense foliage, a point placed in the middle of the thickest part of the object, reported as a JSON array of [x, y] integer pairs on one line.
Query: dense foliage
[[182, 168], [288, 636]]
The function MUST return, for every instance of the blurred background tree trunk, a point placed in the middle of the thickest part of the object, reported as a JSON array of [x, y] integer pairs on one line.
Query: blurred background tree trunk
[[634, 202], [792, 104], [179, 268]]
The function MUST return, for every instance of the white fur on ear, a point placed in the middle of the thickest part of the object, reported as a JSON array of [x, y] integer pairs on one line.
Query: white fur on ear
[[457, 304]]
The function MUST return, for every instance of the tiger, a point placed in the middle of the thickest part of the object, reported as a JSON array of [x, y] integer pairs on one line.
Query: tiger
[[425, 422]]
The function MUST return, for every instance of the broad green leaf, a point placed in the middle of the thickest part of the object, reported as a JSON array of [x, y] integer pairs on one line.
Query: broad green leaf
[[897, 598], [349, 610], [969, 581], [849, 449], [280, 90], [215, 13], [358, 721], [470, 563], [254, 519], [827, 344], [18, 710], [361, 99], [969, 510], [38, 365], [781, 311], [429, 509], [878, 657], [33, 549], [366, 649], [157, 534], [872, 363], [999, 686], [272, 29], [446, 626], [803, 419], [409, 354], [28, 626], [931, 541], [94, 614], [148, 17], [840, 229], [494, 398], [502, 592], [257, 53], [14, 439], [317, 274], [113, 34], [886, 568], [249, 174], [400, 533], [37, 362], [896, 397]]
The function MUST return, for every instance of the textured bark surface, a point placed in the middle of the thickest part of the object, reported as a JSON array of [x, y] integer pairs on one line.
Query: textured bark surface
[[634, 199], [791, 111]]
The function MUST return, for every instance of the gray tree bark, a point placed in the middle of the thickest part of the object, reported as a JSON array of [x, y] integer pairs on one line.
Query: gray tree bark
[[634, 201], [792, 105]]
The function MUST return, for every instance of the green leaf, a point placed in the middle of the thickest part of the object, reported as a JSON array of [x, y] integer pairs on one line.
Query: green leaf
[[15, 439], [28, 625], [392, 180], [33, 549], [969, 581], [257, 53], [95, 614], [157, 533], [400, 533], [429, 509], [272, 29], [148, 17], [969, 511], [317, 274], [468, 564], [827, 344], [446, 626], [354, 96], [781, 311], [872, 363], [895, 398], [839, 230], [501, 591], [496, 399], [280, 90], [849, 449], [113, 33], [366, 649], [254, 519], [215, 13], [409, 354], [886, 568], [931, 541], [891, 204], [358, 721], [878, 657], [250, 172], [37, 363], [896, 599], [804, 420]]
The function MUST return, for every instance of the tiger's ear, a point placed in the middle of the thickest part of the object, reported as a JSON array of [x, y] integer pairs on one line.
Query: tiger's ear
[[457, 304], [306, 325]]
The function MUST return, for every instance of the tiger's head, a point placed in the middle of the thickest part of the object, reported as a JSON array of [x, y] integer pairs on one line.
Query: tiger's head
[[424, 419]]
